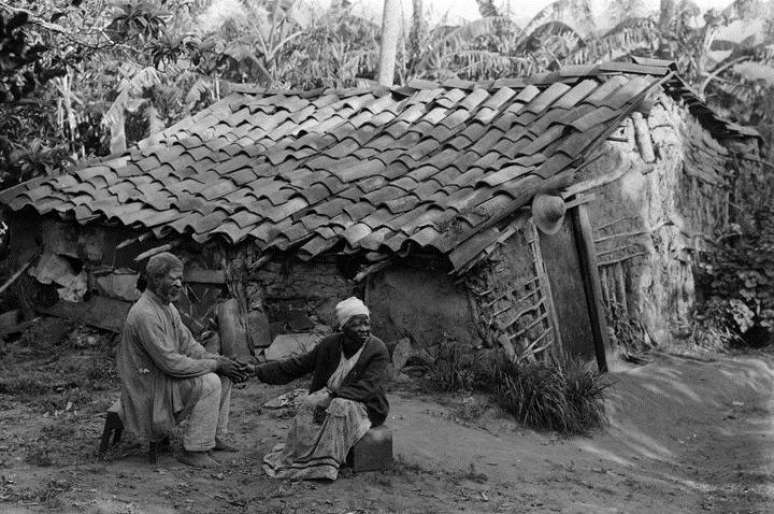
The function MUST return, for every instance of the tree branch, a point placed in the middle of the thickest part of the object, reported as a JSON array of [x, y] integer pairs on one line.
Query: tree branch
[[31, 18], [58, 29]]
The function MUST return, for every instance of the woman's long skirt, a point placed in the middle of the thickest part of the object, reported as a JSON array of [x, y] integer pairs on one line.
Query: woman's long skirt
[[317, 450]]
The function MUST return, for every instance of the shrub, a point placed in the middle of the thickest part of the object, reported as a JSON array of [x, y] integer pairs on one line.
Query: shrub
[[562, 395], [458, 368], [737, 276], [565, 396]]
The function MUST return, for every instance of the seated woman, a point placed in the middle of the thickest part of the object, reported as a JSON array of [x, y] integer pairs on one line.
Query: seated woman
[[345, 399]]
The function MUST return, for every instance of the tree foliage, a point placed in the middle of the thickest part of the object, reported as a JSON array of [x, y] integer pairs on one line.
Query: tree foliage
[[21, 58], [738, 277], [106, 75]]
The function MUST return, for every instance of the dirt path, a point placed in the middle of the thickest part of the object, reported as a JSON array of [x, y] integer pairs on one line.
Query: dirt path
[[684, 436]]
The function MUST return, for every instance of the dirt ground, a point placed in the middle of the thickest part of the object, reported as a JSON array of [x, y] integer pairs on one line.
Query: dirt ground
[[685, 435]]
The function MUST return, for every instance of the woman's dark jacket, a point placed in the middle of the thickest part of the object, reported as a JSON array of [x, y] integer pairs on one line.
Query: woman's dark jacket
[[364, 383]]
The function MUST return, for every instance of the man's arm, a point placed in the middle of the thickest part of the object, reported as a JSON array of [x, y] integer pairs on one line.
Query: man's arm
[[162, 349]]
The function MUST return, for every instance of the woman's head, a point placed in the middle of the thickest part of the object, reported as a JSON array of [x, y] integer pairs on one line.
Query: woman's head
[[358, 328], [354, 319]]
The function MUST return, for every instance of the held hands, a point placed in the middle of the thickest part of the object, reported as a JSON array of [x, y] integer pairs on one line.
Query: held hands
[[235, 370]]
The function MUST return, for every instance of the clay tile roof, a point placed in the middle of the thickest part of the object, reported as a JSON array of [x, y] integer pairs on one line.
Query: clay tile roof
[[427, 165]]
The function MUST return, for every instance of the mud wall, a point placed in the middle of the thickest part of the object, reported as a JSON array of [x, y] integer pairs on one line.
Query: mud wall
[[94, 265], [287, 289], [425, 306], [661, 196]]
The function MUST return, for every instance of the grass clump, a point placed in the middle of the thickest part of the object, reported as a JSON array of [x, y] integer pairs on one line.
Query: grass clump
[[566, 396], [563, 395], [454, 369]]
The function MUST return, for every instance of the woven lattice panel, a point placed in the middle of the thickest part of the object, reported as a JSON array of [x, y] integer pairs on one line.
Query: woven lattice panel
[[509, 295]]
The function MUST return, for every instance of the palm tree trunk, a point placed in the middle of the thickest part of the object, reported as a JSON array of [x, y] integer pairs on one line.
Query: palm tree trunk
[[390, 30], [666, 14], [417, 34], [665, 18]]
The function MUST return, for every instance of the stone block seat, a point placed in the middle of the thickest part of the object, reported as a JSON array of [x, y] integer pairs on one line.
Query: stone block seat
[[114, 428], [373, 452]]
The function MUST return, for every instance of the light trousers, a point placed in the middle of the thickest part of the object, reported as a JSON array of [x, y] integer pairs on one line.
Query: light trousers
[[207, 401]]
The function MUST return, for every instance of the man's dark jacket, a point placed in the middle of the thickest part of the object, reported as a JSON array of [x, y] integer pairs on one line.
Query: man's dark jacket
[[364, 383]]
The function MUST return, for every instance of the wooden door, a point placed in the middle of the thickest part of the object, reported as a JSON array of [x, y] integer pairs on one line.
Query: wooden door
[[564, 267]]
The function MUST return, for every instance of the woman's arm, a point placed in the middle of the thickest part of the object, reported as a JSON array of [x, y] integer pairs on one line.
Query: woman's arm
[[287, 370]]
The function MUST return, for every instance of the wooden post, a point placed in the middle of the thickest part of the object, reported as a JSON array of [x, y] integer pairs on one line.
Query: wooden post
[[592, 284], [389, 43]]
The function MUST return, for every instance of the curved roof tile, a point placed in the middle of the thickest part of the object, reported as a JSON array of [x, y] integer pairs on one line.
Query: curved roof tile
[[425, 165]]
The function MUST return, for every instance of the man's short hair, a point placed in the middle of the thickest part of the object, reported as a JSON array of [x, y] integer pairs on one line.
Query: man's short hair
[[161, 264]]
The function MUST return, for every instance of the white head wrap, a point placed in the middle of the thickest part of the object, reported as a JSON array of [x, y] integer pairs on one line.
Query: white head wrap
[[352, 306]]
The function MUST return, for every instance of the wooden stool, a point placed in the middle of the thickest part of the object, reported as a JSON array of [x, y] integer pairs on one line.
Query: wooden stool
[[373, 452], [113, 430]]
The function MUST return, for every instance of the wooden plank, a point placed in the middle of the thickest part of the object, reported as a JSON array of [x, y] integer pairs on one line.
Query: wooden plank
[[99, 311], [565, 277], [593, 285], [205, 276]]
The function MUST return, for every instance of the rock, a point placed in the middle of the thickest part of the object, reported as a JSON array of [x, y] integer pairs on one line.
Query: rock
[[288, 345], [258, 329], [120, 284], [298, 321], [9, 319], [401, 354], [210, 340], [289, 399], [322, 330], [373, 452], [75, 290], [53, 268], [232, 330]]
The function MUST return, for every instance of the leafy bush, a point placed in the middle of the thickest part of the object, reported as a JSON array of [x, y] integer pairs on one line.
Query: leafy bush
[[562, 395], [738, 280]]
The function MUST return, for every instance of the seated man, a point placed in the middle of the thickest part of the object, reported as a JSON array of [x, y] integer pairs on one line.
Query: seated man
[[345, 399], [167, 376]]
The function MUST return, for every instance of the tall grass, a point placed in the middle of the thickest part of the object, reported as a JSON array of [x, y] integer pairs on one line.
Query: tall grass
[[452, 370], [563, 395], [457, 368]]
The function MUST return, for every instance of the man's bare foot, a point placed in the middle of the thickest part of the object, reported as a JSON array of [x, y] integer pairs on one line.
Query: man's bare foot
[[197, 459], [222, 446]]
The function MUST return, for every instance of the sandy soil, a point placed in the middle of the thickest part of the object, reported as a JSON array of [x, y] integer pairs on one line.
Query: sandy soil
[[685, 436]]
